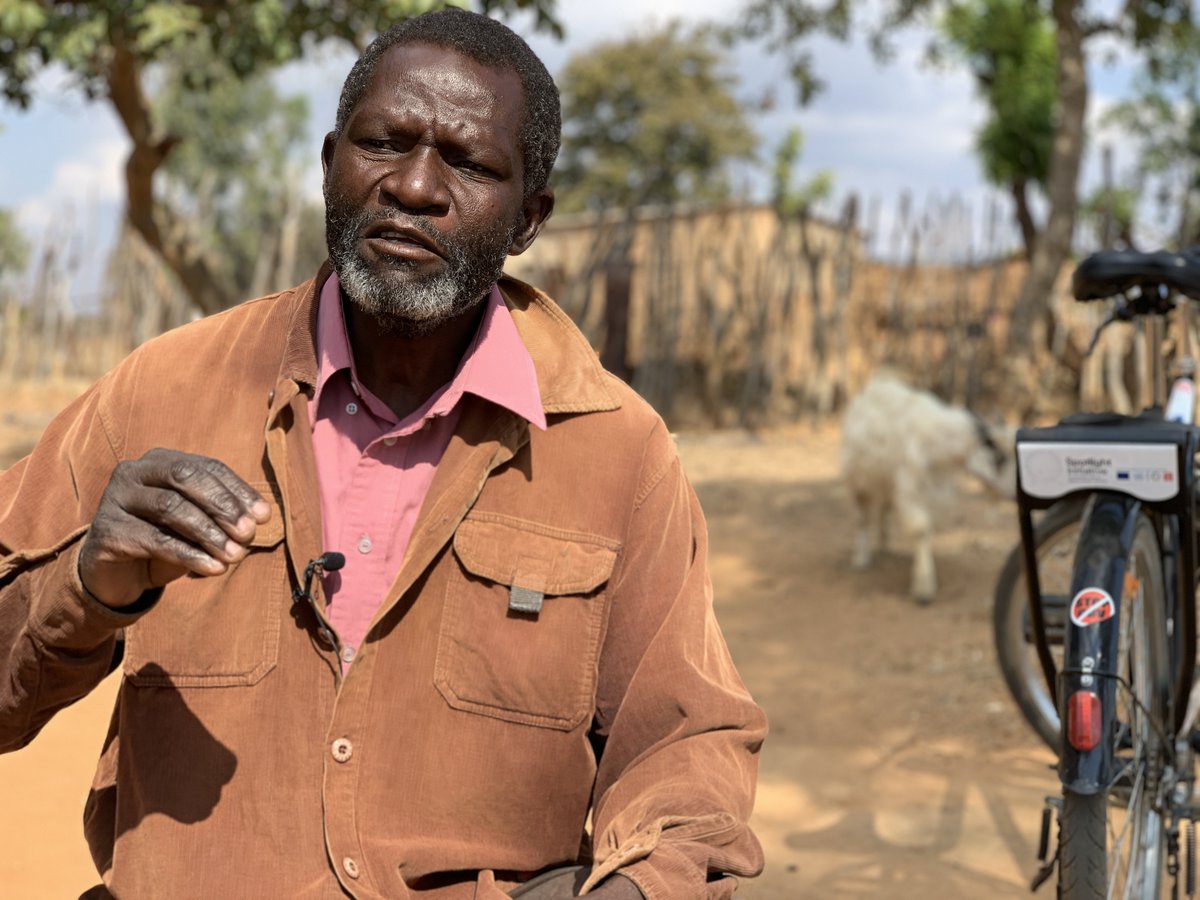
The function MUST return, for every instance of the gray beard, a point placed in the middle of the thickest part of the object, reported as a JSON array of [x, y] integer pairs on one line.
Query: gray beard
[[397, 299]]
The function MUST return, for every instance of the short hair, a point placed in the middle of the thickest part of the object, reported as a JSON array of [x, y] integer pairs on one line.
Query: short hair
[[489, 43]]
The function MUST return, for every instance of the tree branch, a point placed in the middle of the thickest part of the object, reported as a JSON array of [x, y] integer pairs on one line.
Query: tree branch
[[165, 232]]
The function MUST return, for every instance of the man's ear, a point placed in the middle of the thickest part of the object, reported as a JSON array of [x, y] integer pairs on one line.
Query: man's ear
[[536, 211], [327, 154]]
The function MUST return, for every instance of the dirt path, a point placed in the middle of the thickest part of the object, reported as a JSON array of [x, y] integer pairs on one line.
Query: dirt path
[[897, 766]]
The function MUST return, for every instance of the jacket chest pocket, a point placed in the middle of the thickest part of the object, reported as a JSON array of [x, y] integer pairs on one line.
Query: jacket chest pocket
[[221, 631], [522, 621]]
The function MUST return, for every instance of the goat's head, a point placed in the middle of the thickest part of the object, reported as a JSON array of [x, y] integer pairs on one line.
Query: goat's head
[[994, 460]]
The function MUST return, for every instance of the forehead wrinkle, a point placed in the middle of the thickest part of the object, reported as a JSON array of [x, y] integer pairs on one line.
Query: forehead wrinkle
[[451, 101]]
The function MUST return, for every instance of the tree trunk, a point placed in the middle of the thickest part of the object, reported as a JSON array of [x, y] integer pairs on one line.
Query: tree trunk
[[1054, 245], [1020, 194], [164, 231]]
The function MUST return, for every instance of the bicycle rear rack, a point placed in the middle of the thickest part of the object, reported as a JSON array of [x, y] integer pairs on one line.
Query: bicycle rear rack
[[1144, 456]]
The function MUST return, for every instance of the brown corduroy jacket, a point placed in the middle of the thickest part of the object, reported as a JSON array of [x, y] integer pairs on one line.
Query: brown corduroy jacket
[[468, 743]]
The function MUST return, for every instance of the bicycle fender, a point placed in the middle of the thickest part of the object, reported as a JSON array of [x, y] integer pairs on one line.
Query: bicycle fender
[[1092, 633]]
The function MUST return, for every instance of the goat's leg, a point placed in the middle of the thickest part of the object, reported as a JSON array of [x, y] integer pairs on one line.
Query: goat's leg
[[883, 531], [912, 502], [866, 514], [924, 573]]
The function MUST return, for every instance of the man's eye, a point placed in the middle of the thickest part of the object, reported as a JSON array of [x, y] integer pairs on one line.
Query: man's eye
[[469, 165]]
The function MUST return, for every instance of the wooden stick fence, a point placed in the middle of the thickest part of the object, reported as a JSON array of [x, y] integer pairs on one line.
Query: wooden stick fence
[[729, 316]]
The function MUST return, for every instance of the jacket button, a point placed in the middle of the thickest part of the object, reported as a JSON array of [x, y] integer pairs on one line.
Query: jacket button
[[350, 867], [342, 750]]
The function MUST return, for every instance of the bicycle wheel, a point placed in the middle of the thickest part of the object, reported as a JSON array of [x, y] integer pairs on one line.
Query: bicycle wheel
[[1056, 534], [1111, 844]]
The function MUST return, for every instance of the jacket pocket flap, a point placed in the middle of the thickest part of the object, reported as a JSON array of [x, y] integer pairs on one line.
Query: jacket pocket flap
[[528, 555], [270, 532]]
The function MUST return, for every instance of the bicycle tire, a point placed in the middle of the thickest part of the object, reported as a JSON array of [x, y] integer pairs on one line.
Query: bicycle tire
[[1055, 535], [1111, 844]]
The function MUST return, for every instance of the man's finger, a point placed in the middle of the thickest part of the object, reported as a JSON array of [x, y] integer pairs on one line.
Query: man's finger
[[173, 513], [134, 539], [212, 487]]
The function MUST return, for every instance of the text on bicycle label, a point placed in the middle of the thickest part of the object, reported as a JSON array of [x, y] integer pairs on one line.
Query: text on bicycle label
[[1145, 471]]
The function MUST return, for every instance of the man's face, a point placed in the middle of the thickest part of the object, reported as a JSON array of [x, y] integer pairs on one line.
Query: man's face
[[423, 190]]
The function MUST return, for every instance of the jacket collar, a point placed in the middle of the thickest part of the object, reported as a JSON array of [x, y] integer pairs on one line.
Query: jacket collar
[[570, 377]]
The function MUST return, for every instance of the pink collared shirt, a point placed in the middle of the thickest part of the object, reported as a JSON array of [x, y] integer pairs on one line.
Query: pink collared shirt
[[375, 470]]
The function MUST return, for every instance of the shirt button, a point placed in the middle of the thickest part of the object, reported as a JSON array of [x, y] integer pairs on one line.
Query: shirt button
[[342, 750], [364, 544], [348, 654], [352, 408], [389, 442], [350, 866]]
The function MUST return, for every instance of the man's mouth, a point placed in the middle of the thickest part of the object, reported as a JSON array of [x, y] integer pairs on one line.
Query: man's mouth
[[402, 241]]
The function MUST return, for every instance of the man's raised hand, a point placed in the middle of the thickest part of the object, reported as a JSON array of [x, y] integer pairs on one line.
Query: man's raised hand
[[166, 515]]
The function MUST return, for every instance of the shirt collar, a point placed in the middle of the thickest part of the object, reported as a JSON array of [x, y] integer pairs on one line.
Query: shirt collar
[[497, 365]]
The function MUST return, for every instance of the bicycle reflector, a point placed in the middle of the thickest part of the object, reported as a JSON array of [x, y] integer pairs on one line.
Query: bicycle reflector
[[1083, 720]]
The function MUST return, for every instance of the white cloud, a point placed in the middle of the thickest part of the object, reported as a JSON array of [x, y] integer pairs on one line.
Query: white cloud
[[80, 186]]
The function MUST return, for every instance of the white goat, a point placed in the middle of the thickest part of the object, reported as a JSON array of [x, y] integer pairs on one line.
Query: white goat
[[903, 451]]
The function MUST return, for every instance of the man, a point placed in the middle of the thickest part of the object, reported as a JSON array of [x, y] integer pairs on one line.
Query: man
[[520, 639]]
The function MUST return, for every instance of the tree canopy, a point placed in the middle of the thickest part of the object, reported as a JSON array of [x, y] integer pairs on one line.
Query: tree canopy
[[651, 119], [1009, 47], [236, 172], [86, 37], [1163, 120]]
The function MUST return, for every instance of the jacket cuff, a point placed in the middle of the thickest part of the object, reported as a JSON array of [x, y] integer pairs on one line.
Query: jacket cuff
[[672, 857], [65, 616], [669, 873]]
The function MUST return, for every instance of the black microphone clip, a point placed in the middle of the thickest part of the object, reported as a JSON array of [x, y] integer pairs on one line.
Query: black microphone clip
[[330, 561]]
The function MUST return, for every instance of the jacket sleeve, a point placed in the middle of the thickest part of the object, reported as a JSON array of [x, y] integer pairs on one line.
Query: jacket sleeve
[[679, 733], [56, 643]]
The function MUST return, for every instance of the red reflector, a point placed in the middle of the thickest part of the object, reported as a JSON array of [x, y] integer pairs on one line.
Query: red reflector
[[1083, 720]]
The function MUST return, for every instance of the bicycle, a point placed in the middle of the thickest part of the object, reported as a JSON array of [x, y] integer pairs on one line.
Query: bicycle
[[1100, 650]]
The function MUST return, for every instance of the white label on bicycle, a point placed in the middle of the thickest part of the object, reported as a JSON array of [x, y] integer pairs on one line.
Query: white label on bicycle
[[1145, 471], [1092, 606]]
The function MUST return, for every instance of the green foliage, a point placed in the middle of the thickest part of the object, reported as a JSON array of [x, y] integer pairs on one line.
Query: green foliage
[[14, 247], [1163, 119], [234, 168], [792, 199], [1111, 210], [649, 120], [249, 36], [788, 26], [1009, 47]]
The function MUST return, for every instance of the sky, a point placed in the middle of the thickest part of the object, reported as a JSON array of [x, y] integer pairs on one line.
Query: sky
[[881, 129]]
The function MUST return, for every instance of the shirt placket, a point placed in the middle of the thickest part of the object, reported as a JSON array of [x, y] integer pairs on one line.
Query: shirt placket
[[370, 513], [466, 466]]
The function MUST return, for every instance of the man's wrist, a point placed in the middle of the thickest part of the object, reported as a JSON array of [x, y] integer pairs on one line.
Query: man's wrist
[[140, 604]]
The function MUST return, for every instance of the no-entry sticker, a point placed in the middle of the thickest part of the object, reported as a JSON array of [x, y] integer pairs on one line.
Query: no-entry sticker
[[1092, 606]]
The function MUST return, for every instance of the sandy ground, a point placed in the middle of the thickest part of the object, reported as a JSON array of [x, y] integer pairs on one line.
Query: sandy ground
[[897, 766]]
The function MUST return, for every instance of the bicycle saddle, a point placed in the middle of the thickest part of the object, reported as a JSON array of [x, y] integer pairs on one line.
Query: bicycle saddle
[[1110, 272]]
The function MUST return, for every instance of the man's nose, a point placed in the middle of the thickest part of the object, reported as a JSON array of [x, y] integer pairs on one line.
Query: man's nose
[[416, 182]]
